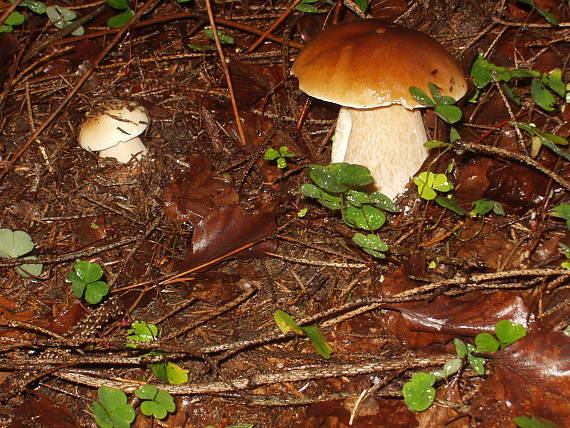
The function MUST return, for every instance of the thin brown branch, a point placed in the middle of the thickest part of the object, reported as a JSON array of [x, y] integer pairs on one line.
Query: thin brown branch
[[307, 372], [226, 73], [273, 26]]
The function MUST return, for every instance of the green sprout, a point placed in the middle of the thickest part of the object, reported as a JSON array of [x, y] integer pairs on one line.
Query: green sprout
[[485, 206], [112, 410], [545, 13], [157, 402], [86, 280], [443, 105], [11, 21], [543, 85], [225, 39], [419, 392], [280, 156], [565, 250], [562, 211], [306, 6], [540, 139], [166, 371], [122, 19], [169, 372], [534, 422], [15, 244], [429, 184], [62, 17], [336, 187], [16, 18], [141, 332], [286, 323]]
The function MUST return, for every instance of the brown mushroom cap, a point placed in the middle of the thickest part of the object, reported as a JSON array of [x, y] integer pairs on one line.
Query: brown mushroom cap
[[369, 63]]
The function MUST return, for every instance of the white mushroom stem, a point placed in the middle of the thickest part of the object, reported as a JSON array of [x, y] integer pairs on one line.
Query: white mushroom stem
[[387, 140]]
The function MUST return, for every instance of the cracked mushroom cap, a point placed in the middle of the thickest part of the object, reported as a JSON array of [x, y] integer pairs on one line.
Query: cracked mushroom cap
[[369, 63], [124, 151], [114, 126]]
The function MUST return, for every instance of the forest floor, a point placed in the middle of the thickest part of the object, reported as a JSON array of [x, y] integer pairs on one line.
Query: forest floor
[[203, 238]]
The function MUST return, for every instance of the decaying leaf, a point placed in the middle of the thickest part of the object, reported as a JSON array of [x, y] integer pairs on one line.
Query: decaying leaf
[[228, 229], [532, 378]]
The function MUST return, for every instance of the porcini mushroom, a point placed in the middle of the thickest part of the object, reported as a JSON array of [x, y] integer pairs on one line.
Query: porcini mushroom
[[114, 133], [367, 66]]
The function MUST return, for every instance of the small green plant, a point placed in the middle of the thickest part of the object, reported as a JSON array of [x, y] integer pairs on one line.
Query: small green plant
[[123, 18], [16, 18], [15, 244], [565, 250], [542, 84], [540, 139], [157, 402], [506, 333], [306, 6], [86, 281], [166, 371], [545, 13], [534, 422], [485, 206], [336, 187], [224, 39], [13, 20], [280, 156], [62, 17], [141, 332], [444, 106], [430, 183], [169, 372], [562, 211], [112, 410], [286, 323], [419, 392], [59, 16]]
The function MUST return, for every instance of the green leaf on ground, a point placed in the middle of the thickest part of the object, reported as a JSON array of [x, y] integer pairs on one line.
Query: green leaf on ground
[[170, 373], [419, 393], [112, 410], [507, 332]]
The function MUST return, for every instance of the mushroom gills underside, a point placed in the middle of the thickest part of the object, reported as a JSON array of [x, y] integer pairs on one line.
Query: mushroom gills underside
[[387, 140]]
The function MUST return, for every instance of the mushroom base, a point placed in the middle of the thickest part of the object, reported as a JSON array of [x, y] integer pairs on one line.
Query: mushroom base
[[387, 140]]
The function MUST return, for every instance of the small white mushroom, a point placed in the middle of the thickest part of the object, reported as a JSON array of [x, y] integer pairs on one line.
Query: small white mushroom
[[115, 132]]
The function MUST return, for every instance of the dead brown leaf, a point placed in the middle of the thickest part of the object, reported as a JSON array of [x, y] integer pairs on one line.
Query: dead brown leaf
[[532, 378], [198, 193], [37, 410], [228, 229]]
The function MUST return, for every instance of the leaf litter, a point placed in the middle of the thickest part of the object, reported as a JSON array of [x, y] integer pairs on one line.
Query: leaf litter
[[203, 202]]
